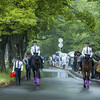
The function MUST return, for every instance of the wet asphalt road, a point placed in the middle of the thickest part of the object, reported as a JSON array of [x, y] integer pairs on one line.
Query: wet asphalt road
[[56, 84]]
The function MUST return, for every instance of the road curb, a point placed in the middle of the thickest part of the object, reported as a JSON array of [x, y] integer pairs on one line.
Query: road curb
[[78, 75], [75, 73]]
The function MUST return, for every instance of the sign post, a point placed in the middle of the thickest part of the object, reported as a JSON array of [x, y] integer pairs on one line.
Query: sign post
[[60, 43]]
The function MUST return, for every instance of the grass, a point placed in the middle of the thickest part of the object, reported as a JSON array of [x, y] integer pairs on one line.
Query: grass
[[46, 63], [5, 77]]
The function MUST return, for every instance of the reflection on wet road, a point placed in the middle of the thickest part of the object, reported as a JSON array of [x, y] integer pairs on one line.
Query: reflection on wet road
[[56, 84], [53, 74]]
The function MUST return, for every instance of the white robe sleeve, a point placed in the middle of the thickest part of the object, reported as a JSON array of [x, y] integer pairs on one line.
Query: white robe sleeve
[[39, 51], [83, 52], [13, 67], [24, 61], [91, 53], [21, 66]]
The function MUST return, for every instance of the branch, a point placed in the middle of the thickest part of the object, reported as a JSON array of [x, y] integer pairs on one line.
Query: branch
[[43, 38]]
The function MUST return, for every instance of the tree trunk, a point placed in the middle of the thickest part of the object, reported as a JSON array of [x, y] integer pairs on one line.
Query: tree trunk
[[2, 53], [23, 46], [17, 46], [26, 42], [10, 51]]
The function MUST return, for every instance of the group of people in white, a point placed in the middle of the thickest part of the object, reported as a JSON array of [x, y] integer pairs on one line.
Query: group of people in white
[[59, 59], [74, 59]]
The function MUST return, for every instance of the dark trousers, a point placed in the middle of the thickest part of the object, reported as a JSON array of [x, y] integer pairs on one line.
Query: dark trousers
[[28, 72], [18, 75]]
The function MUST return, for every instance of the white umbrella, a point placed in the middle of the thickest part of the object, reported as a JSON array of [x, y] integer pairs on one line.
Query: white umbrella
[[71, 54], [58, 52], [64, 54]]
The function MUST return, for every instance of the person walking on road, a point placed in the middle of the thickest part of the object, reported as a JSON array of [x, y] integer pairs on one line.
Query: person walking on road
[[28, 68], [18, 68]]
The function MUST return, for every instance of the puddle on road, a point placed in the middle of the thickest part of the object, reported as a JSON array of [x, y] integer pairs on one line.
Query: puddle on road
[[55, 74]]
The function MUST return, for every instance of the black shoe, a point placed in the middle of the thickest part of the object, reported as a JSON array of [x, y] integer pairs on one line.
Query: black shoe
[[84, 86]]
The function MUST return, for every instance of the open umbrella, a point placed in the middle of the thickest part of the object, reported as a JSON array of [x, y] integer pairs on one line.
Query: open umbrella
[[71, 54]]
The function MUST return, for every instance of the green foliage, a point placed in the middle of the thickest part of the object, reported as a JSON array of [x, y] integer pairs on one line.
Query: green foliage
[[49, 46], [19, 16], [46, 63], [84, 25], [91, 0], [88, 19], [76, 21]]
